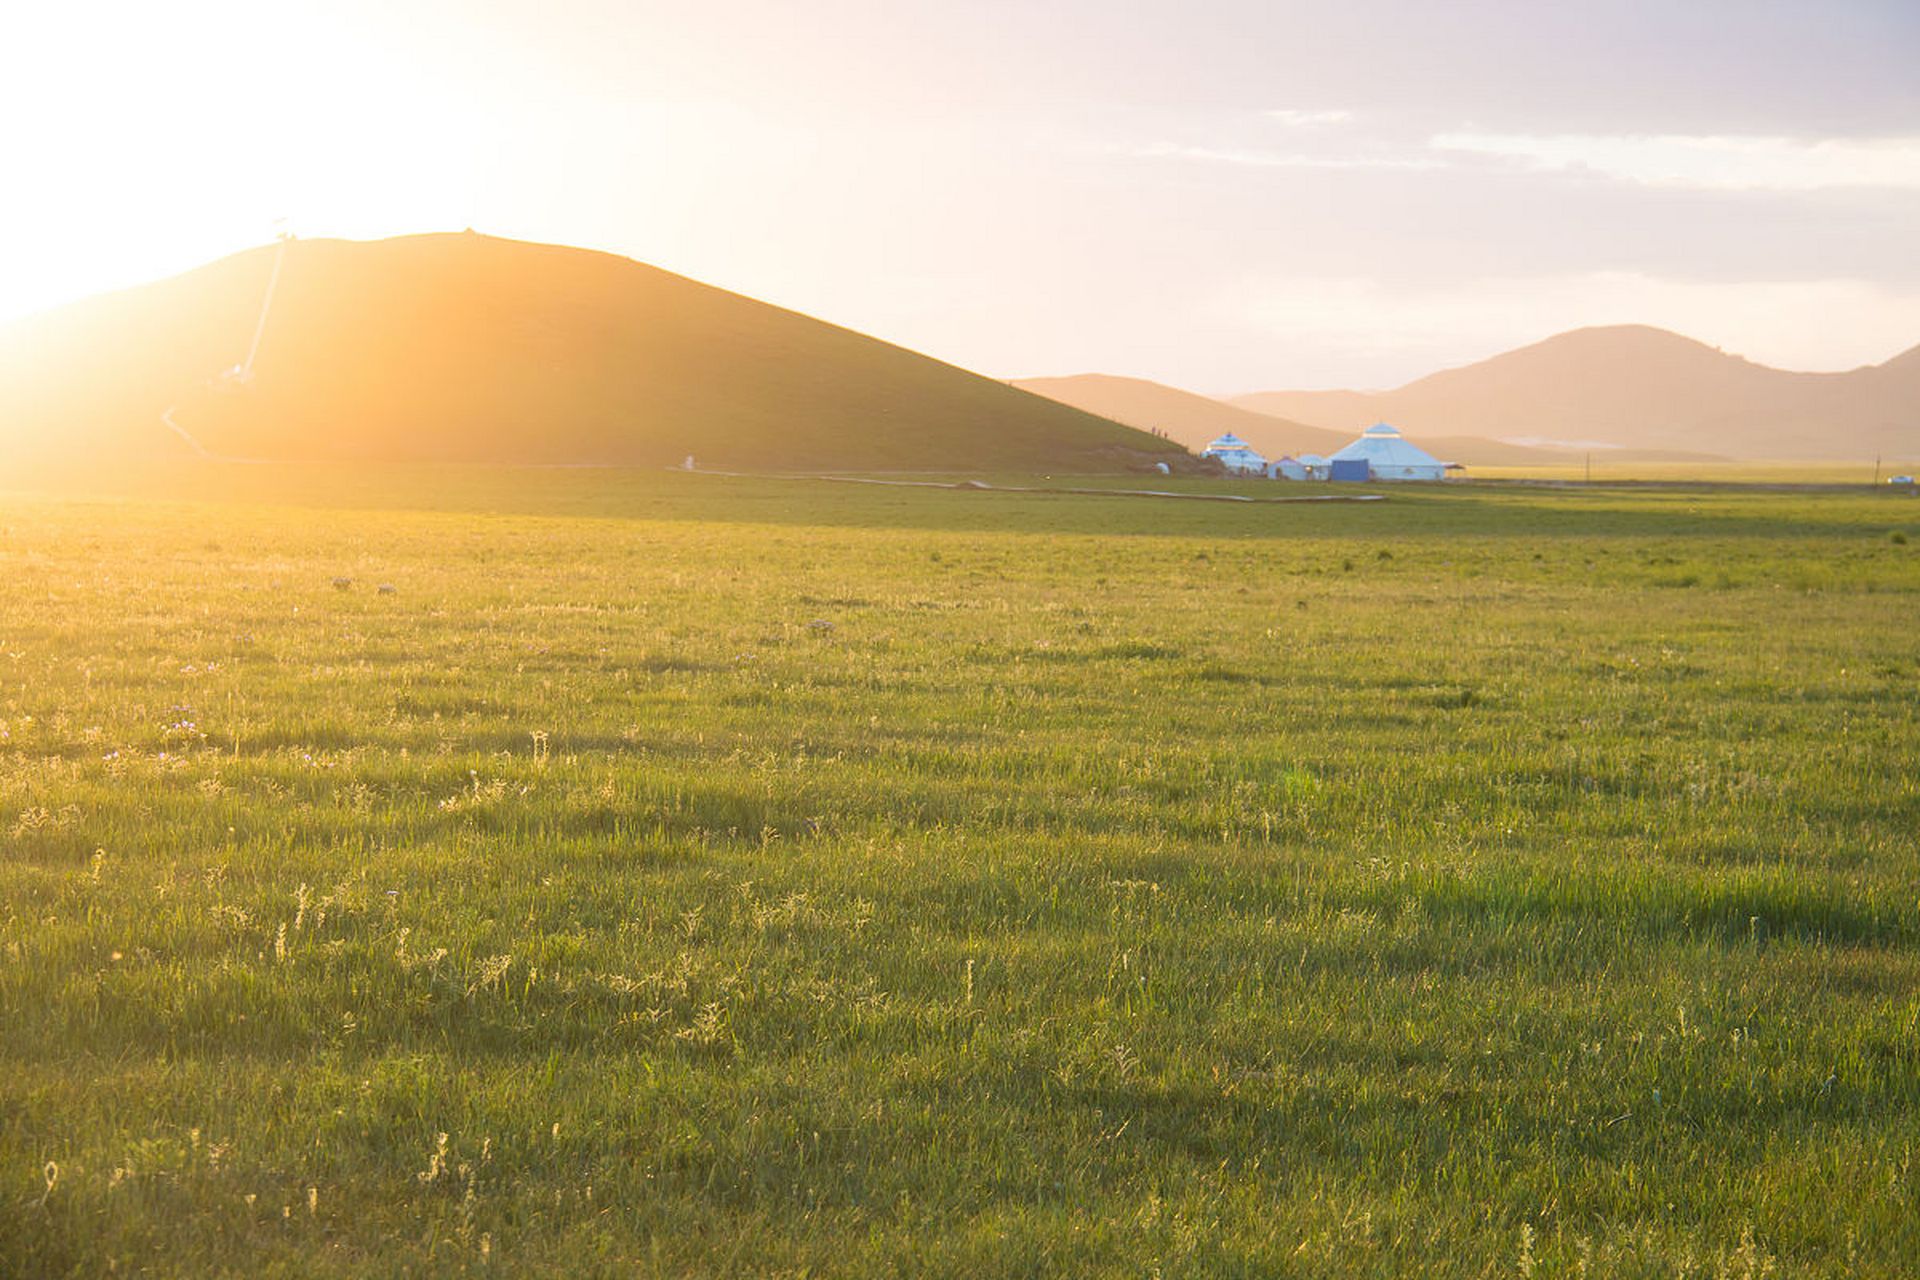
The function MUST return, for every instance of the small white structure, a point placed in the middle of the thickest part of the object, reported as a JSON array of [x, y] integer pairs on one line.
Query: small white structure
[[1286, 468], [1315, 466], [1392, 456], [1236, 455]]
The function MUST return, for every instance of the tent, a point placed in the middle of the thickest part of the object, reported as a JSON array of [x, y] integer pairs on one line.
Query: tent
[[1286, 468], [1391, 456], [1236, 455]]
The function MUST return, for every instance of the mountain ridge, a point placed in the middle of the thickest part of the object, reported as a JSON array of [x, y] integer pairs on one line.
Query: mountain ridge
[[1640, 387], [1194, 420], [1186, 416]]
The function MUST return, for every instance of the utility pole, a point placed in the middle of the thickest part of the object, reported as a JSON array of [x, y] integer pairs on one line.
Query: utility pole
[[1876, 468]]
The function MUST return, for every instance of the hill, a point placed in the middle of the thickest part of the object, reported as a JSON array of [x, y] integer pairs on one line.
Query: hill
[[1194, 420], [1191, 419], [467, 348], [1641, 388]]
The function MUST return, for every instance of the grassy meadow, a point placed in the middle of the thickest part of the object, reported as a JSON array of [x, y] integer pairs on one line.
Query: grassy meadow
[[1602, 470], [597, 873]]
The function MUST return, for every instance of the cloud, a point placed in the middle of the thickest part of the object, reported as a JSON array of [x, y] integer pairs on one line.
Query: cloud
[[1299, 119], [1715, 162], [1255, 158], [1703, 162]]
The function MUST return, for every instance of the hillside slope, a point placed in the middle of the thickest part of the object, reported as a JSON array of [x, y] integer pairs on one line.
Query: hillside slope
[[466, 348], [1641, 388], [1192, 420]]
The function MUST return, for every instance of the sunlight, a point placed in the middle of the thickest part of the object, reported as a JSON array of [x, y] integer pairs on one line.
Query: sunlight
[[196, 132]]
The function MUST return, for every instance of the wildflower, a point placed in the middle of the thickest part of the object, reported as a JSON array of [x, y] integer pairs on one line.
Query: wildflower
[[437, 1162]]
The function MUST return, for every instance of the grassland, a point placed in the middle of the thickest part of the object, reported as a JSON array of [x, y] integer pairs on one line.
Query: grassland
[[672, 875], [1715, 473]]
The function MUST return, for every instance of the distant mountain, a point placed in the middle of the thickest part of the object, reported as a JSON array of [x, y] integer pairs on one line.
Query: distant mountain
[[1643, 389], [1194, 420], [466, 348]]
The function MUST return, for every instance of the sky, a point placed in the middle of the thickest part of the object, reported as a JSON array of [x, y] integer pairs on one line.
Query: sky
[[1226, 195]]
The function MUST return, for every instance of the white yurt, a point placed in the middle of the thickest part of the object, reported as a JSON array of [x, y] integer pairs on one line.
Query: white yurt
[[1314, 465], [1286, 468], [1236, 455], [1392, 456]]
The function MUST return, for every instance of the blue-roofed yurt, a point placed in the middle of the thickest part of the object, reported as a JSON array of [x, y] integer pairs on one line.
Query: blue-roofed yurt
[[1391, 456], [1236, 455]]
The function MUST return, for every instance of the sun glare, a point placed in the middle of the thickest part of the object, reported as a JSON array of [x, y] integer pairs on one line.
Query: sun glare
[[193, 133]]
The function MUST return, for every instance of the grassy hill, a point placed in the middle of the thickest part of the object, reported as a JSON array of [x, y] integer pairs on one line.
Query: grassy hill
[[1636, 387], [467, 348]]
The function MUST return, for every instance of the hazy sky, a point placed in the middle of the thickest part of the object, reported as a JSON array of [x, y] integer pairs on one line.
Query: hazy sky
[[1228, 195]]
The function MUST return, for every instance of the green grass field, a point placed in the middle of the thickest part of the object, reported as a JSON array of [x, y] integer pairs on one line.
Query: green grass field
[[1864, 473], [675, 875]]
